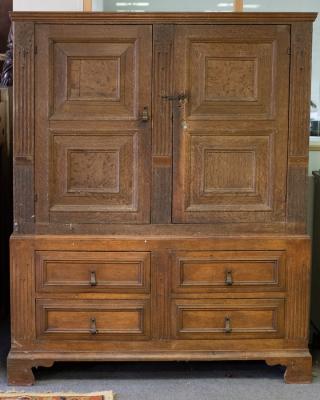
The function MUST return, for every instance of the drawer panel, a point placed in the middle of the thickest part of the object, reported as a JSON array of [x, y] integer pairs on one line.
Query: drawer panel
[[114, 320], [199, 271], [72, 271], [224, 318]]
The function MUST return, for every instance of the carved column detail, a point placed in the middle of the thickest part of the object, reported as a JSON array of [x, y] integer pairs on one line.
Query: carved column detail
[[300, 89], [162, 124], [161, 299], [298, 272], [22, 307], [23, 124]]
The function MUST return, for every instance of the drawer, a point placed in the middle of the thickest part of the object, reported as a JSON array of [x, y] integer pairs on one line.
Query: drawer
[[226, 319], [74, 271], [93, 320], [205, 271]]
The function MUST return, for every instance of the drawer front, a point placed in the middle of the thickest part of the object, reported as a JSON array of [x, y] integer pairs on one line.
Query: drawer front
[[93, 320], [73, 271], [226, 319], [205, 271]]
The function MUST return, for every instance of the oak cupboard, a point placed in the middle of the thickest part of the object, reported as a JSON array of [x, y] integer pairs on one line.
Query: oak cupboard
[[159, 180]]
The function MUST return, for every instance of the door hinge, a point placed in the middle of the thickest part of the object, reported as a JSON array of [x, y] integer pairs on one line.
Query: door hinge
[[289, 51], [35, 50], [35, 197]]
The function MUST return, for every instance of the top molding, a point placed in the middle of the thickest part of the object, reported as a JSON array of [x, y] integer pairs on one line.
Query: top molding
[[164, 18]]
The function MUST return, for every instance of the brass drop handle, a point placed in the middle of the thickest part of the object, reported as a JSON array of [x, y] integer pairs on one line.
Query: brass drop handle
[[93, 278], [229, 279], [227, 325], [93, 326], [145, 114]]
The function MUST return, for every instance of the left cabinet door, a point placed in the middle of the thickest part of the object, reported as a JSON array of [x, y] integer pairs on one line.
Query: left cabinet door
[[93, 123]]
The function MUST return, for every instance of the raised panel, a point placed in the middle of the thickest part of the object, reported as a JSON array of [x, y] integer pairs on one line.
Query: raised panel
[[96, 171], [100, 81], [93, 171], [204, 271], [231, 80], [216, 161], [93, 320], [73, 271], [230, 172], [94, 79], [228, 319]]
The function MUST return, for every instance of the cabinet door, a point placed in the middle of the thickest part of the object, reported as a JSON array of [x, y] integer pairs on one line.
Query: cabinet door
[[93, 129], [230, 134]]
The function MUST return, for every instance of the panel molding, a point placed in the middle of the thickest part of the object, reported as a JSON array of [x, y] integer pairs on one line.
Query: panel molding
[[80, 265], [124, 194], [257, 196], [208, 271], [230, 83], [22, 290], [239, 114], [72, 72], [258, 313], [104, 114], [298, 282], [23, 114], [162, 124], [300, 93], [93, 308]]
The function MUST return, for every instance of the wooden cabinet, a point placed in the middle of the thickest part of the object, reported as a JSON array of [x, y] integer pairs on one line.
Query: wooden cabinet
[[159, 177]]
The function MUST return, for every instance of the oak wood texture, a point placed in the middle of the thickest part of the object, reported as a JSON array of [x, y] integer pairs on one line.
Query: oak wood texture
[[101, 171], [134, 325], [160, 172], [228, 319], [298, 370], [165, 17], [212, 271], [92, 320], [231, 133], [23, 122], [301, 39], [108, 271]]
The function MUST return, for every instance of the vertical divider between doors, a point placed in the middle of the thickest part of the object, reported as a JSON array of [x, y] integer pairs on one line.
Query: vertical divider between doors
[[162, 124], [161, 297]]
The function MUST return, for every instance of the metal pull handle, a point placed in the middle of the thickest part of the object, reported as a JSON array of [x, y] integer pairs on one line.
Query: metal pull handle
[[227, 325], [93, 326], [229, 279], [145, 114], [93, 278]]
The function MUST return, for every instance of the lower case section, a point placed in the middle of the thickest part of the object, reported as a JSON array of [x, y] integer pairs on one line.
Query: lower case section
[[298, 363], [83, 298]]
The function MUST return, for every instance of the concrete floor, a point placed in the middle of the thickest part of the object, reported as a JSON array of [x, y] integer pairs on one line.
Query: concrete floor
[[170, 381]]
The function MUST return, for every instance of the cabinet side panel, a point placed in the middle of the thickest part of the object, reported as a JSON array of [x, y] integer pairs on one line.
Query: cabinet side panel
[[23, 161], [300, 89], [22, 293], [298, 283]]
